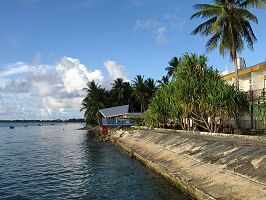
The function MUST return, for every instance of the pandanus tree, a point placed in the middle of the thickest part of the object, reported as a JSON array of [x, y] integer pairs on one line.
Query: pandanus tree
[[228, 24], [196, 92]]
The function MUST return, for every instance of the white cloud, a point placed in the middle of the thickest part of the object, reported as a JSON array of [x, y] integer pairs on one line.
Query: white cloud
[[115, 71], [17, 86], [3, 109], [46, 112], [53, 102], [169, 16], [161, 35], [165, 29], [51, 92], [16, 68], [44, 88], [150, 23]]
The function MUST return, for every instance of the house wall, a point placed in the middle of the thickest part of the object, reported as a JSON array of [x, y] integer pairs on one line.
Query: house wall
[[254, 80], [258, 79], [244, 82]]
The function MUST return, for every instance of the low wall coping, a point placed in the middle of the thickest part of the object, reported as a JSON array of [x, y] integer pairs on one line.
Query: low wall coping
[[245, 137]]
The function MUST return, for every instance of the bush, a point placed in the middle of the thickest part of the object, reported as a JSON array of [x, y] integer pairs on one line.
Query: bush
[[138, 121]]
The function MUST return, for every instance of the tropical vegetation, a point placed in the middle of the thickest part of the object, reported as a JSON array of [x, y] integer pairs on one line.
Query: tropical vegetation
[[198, 93], [191, 94], [228, 24], [137, 95]]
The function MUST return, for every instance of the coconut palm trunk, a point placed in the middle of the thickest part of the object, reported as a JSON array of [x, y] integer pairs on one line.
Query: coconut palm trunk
[[234, 59], [236, 74]]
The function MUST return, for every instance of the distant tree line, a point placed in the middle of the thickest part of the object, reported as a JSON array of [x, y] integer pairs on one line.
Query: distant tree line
[[43, 121]]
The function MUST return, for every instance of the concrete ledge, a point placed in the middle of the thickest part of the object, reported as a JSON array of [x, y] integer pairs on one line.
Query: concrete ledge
[[177, 181], [204, 166]]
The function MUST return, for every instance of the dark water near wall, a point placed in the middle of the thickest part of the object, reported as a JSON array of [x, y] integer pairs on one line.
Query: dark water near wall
[[60, 162]]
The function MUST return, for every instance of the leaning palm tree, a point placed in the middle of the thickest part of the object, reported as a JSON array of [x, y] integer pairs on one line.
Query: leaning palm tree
[[96, 99], [229, 25]]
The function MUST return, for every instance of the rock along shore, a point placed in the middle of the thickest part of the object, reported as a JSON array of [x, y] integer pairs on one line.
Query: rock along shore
[[204, 166]]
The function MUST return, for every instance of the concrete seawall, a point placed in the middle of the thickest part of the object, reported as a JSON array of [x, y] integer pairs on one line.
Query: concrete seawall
[[206, 167]]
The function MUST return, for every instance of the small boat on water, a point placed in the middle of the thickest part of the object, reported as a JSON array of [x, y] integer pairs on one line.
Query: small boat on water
[[25, 125], [11, 127], [39, 125], [52, 124]]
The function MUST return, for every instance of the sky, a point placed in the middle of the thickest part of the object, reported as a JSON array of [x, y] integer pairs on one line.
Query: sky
[[50, 49]]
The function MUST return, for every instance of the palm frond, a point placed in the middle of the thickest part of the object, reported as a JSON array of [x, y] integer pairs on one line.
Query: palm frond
[[243, 13], [204, 26], [206, 13], [213, 42], [216, 27], [248, 34]]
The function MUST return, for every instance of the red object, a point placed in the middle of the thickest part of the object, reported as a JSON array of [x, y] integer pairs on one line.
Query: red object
[[105, 128]]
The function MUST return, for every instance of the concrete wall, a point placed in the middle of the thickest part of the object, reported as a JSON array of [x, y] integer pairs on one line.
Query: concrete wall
[[258, 79], [244, 82], [206, 167]]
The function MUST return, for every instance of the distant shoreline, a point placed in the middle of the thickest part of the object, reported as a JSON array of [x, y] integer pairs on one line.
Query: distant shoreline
[[42, 121]]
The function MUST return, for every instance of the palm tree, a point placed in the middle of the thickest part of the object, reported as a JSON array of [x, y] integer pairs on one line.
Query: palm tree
[[228, 24], [121, 92], [95, 100], [150, 85], [164, 81], [128, 94], [171, 69], [118, 90], [140, 91]]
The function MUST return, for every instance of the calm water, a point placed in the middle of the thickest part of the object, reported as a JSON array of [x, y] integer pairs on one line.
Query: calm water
[[60, 162]]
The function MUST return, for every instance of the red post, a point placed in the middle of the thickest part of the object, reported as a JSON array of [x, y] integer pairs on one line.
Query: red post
[[105, 129]]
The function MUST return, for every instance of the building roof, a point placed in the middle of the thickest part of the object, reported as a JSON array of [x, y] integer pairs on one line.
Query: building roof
[[114, 111], [246, 70], [134, 114]]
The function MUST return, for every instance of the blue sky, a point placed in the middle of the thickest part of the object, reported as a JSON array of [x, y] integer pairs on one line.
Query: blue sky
[[51, 48]]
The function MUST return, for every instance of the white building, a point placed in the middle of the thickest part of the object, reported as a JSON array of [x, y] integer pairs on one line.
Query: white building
[[251, 80]]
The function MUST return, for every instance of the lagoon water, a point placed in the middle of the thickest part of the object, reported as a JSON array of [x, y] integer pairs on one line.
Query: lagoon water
[[61, 162]]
